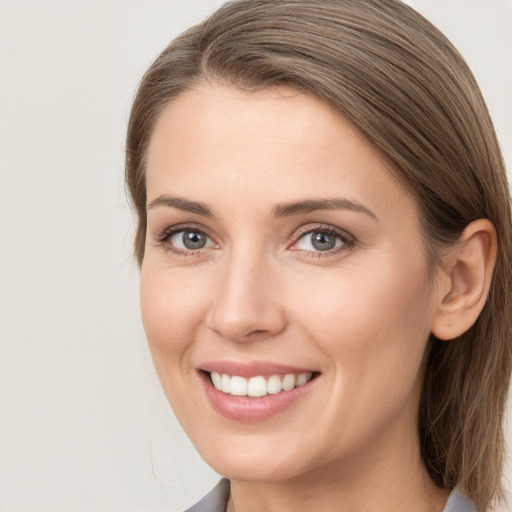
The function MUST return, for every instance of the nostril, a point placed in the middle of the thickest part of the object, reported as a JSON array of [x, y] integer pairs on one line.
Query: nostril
[[257, 332]]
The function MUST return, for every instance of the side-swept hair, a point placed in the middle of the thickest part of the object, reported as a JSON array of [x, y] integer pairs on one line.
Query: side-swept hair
[[400, 81]]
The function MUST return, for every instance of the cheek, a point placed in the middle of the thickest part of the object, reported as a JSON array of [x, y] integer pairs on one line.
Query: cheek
[[366, 300], [373, 333], [373, 326], [172, 309]]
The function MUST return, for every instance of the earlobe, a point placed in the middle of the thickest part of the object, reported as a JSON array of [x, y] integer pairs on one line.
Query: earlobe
[[468, 275]]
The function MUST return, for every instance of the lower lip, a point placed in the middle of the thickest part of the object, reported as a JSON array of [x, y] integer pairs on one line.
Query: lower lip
[[243, 408]]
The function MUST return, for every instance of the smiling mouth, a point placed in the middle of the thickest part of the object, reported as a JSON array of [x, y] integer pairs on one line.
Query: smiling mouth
[[259, 385]]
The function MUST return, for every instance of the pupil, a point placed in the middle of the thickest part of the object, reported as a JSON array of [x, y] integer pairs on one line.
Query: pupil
[[193, 240], [323, 241]]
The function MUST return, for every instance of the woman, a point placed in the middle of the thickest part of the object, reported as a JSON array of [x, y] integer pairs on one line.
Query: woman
[[323, 234]]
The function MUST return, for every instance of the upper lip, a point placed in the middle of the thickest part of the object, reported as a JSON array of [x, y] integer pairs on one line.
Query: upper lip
[[251, 369]]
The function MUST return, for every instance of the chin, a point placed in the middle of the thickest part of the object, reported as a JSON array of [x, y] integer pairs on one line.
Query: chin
[[252, 460], [254, 471]]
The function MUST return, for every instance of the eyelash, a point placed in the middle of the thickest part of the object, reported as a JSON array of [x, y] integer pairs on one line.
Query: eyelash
[[347, 240], [164, 237]]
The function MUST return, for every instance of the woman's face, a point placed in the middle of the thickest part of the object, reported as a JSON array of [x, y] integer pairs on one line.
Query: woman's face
[[283, 260]]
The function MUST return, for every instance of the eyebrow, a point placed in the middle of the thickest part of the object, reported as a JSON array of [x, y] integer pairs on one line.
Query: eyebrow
[[313, 205], [278, 211], [181, 204]]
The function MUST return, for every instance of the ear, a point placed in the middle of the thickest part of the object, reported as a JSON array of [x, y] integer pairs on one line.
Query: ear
[[465, 285]]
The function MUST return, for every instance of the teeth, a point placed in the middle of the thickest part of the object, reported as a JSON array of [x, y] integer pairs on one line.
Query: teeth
[[238, 386], [289, 382], [226, 384], [217, 380], [302, 378], [258, 386], [274, 385]]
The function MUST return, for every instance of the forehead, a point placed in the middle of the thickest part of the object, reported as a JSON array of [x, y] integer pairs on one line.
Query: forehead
[[279, 144]]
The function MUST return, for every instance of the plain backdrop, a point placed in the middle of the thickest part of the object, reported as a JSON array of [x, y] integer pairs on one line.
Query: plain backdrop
[[84, 425]]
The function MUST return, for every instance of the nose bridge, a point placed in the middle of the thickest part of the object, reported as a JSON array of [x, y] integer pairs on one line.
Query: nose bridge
[[246, 304]]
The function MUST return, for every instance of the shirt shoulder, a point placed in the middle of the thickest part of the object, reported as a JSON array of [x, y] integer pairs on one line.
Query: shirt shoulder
[[215, 501], [457, 502]]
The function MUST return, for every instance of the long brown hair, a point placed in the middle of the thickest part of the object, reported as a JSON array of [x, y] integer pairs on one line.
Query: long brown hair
[[401, 82]]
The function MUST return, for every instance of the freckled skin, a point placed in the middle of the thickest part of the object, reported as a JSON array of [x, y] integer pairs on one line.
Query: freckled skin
[[360, 315]]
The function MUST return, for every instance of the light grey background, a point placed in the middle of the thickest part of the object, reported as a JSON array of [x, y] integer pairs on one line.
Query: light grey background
[[83, 423]]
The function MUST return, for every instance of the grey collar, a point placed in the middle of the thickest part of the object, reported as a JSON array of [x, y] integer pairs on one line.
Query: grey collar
[[217, 500]]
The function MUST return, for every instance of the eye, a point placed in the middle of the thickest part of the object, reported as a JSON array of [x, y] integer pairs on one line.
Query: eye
[[190, 240], [322, 239], [184, 239]]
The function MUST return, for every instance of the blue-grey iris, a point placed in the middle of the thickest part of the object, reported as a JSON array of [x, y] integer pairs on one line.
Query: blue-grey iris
[[323, 241], [194, 240]]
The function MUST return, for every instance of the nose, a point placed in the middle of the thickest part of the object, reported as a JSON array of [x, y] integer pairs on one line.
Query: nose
[[247, 305]]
